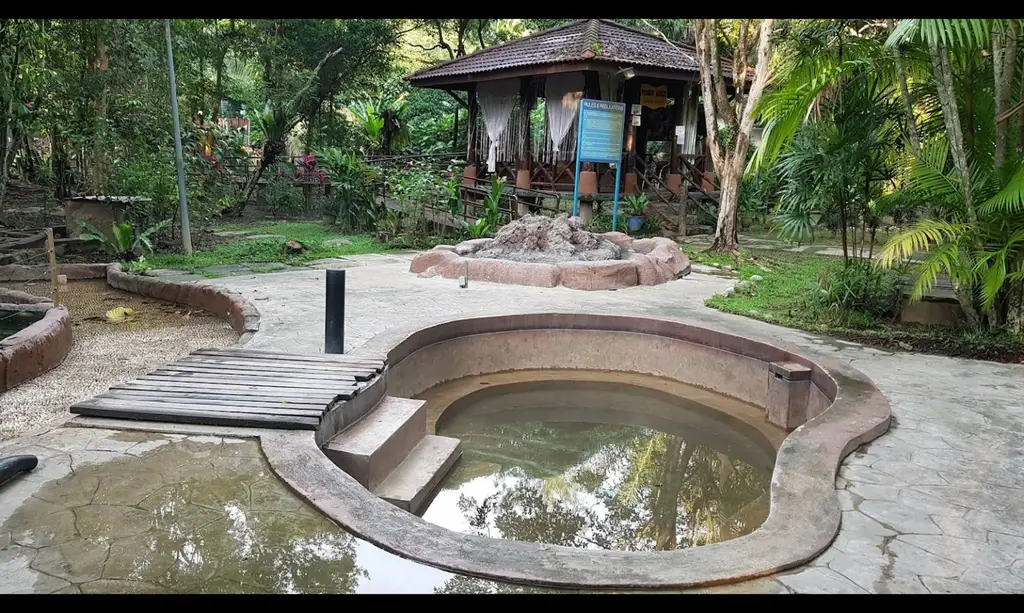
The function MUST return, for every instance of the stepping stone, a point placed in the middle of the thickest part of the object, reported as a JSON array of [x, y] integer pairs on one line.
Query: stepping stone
[[255, 236], [338, 241], [230, 233]]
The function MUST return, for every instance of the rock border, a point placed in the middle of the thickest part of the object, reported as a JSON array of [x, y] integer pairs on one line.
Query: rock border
[[39, 347], [803, 520], [43, 345], [228, 305], [648, 261]]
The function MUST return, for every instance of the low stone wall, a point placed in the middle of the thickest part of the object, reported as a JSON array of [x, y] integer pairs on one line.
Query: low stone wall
[[647, 261], [74, 272], [43, 345], [231, 306], [36, 349], [13, 296]]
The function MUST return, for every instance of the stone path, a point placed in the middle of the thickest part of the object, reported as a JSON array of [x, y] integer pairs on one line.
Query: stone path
[[935, 505], [753, 242]]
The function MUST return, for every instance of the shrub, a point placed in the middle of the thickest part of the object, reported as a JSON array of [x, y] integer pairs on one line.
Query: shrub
[[861, 289]]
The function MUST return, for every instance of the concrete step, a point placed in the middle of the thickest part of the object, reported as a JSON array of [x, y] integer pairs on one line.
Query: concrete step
[[380, 441], [415, 479]]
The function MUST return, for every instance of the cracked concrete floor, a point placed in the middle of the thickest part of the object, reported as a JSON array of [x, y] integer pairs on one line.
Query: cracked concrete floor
[[935, 505]]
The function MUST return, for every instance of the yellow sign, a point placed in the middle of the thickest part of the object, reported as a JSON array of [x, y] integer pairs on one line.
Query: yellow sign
[[654, 97]]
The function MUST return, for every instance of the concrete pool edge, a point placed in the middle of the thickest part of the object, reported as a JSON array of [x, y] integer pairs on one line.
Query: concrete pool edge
[[37, 348], [803, 520]]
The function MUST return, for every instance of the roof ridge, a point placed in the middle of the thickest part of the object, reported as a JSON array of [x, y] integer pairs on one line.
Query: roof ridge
[[498, 46]]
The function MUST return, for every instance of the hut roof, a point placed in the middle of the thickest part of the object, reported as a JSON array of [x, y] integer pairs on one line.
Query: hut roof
[[584, 41]]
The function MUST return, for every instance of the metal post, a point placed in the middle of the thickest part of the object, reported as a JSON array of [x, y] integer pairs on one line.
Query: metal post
[[579, 143], [334, 316], [186, 233], [615, 206]]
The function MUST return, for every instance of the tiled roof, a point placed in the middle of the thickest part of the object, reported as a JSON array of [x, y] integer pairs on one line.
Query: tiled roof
[[580, 41]]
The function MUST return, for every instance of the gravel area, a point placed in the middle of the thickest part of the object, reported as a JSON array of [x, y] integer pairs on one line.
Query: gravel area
[[104, 353]]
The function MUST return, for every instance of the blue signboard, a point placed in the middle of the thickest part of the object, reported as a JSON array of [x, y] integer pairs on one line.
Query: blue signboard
[[600, 134], [599, 139]]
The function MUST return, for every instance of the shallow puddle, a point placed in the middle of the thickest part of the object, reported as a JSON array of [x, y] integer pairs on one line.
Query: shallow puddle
[[601, 461], [163, 514]]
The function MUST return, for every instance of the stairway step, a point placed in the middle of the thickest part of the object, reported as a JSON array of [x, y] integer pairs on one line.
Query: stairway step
[[380, 441], [415, 479]]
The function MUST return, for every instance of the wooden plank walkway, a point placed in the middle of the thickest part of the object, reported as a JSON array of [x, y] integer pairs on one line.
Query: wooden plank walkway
[[238, 387]]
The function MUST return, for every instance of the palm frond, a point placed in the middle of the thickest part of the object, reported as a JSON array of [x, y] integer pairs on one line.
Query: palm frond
[[923, 236], [945, 258], [950, 33], [1010, 199]]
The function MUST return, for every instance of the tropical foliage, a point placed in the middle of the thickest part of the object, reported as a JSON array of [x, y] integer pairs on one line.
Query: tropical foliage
[[123, 241]]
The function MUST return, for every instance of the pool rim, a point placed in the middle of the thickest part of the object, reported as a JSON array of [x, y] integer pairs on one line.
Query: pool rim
[[804, 514]]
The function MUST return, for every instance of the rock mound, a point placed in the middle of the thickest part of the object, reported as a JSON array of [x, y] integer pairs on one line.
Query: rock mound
[[548, 240]]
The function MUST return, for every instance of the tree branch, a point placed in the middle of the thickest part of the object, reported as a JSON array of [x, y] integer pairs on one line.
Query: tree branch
[[440, 40], [722, 106], [739, 65], [703, 32], [762, 74]]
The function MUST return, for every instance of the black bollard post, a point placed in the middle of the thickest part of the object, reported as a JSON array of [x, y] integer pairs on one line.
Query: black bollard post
[[334, 317]]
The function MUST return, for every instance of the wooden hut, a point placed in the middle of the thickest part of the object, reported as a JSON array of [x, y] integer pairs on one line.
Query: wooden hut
[[523, 98]]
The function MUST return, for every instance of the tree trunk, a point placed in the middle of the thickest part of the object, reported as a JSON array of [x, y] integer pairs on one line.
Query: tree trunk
[[730, 161], [730, 178], [98, 174], [908, 107], [1004, 63], [951, 118]]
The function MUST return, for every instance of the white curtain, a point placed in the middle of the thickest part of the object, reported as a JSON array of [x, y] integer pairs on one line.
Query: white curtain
[[690, 115], [496, 100], [562, 94]]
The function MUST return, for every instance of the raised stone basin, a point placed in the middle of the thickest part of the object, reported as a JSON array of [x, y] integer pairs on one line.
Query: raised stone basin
[[547, 252]]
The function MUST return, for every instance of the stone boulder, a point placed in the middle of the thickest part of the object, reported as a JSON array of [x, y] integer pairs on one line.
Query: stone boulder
[[668, 257], [549, 240]]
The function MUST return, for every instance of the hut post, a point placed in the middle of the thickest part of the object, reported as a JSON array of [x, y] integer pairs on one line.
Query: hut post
[[631, 96], [524, 166], [469, 173], [589, 177], [680, 93]]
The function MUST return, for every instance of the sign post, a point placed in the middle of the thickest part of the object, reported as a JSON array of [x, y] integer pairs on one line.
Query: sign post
[[599, 139]]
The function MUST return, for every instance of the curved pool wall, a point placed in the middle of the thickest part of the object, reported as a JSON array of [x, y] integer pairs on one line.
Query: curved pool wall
[[804, 516], [624, 405], [37, 348]]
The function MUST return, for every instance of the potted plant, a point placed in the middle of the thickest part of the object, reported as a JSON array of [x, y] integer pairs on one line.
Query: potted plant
[[635, 205]]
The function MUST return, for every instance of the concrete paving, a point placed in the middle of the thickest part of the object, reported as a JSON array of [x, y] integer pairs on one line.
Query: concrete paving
[[935, 505]]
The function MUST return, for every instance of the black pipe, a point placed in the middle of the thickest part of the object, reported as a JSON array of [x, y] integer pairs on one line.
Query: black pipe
[[14, 465], [334, 316]]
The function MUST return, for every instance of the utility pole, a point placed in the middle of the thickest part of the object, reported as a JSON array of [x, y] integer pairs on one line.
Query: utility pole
[[186, 234]]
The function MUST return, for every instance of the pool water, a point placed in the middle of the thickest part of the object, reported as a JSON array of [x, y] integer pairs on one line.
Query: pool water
[[600, 463], [12, 322]]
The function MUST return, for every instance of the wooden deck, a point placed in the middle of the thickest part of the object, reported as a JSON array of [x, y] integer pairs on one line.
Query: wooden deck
[[238, 387]]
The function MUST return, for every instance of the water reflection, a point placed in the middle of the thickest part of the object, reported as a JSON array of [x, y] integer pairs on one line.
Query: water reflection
[[600, 466]]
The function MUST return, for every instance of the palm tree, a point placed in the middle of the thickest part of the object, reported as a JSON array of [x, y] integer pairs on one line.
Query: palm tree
[[954, 78], [979, 247]]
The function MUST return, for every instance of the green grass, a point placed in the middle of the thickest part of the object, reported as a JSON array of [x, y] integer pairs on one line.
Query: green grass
[[267, 250], [788, 295]]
